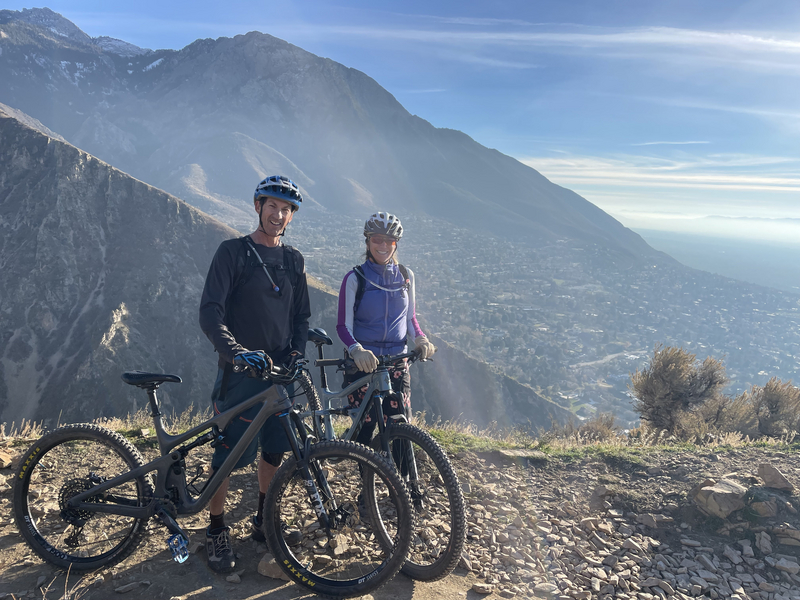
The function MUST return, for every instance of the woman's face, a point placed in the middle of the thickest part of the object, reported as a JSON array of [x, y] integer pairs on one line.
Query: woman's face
[[381, 247]]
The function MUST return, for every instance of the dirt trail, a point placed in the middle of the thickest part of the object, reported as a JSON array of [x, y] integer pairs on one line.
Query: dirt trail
[[610, 524]]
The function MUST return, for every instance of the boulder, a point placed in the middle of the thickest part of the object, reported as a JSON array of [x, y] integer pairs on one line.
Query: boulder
[[764, 542], [721, 498], [767, 509], [268, 567], [773, 478]]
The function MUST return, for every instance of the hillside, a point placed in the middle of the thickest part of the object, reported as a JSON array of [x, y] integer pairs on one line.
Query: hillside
[[101, 273], [581, 523]]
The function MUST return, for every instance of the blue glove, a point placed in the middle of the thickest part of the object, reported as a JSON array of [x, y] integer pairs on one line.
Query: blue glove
[[256, 362]]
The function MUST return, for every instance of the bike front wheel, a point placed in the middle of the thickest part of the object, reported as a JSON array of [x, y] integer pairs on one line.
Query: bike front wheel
[[440, 523], [66, 462], [346, 558]]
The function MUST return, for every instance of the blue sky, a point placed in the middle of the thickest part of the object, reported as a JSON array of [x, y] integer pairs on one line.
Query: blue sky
[[660, 112]]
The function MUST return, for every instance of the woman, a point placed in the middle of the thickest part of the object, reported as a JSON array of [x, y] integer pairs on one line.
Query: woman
[[377, 313]]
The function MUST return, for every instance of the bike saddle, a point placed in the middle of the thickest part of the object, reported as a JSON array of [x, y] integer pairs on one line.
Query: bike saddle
[[319, 336], [142, 379]]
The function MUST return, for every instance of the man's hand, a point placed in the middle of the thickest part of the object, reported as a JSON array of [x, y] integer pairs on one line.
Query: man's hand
[[256, 362], [423, 347], [365, 360], [293, 357]]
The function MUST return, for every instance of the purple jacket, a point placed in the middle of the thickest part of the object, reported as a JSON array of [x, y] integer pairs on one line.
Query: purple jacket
[[384, 318]]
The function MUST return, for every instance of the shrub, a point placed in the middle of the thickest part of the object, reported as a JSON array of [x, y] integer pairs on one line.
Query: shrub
[[723, 414], [673, 384], [776, 407]]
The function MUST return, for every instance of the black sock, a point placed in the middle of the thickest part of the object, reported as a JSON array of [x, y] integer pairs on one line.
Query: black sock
[[261, 497], [217, 521]]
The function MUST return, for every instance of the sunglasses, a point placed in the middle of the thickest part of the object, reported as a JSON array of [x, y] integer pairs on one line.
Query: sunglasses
[[380, 240]]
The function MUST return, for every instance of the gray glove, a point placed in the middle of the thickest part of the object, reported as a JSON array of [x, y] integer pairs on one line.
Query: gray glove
[[423, 347], [365, 360]]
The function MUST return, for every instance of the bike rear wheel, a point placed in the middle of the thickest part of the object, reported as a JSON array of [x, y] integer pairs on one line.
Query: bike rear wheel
[[66, 462], [440, 523], [349, 560]]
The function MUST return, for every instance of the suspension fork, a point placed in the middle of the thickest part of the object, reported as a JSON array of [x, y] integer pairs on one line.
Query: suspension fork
[[288, 419], [403, 455]]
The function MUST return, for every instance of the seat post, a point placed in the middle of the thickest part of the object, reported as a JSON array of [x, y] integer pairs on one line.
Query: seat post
[[323, 379], [155, 412]]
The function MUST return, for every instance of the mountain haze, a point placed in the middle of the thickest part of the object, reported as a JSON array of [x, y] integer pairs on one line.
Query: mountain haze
[[208, 121], [101, 273]]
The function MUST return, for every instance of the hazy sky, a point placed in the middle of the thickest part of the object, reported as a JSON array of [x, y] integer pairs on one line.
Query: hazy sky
[[658, 111]]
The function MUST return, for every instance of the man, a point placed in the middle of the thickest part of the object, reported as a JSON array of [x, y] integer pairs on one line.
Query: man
[[255, 310]]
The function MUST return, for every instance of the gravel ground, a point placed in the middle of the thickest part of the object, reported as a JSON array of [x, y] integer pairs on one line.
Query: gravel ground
[[620, 525]]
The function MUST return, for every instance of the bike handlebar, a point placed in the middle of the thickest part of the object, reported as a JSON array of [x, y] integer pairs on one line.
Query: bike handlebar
[[283, 375], [277, 374], [384, 360]]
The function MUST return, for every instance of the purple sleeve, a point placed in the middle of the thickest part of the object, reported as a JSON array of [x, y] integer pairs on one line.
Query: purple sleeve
[[412, 323], [347, 298]]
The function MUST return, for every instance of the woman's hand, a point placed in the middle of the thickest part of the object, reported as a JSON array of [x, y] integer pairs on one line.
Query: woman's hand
[[423, 347], [365, 360]]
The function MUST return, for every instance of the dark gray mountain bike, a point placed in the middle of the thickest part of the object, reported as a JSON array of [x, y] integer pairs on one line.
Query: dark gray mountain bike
[[428, 474], [83, 496]]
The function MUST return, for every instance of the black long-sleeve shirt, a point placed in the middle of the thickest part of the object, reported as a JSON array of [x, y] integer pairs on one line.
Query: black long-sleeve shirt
[[254, 316]]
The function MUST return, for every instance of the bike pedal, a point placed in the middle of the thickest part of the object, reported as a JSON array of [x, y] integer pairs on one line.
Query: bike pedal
[[179, 546]]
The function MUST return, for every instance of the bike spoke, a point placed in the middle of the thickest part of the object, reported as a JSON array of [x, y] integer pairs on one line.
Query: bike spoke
[[73, 461]]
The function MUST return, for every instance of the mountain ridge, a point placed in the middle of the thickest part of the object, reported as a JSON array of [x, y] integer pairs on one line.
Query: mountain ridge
[[351, 137]]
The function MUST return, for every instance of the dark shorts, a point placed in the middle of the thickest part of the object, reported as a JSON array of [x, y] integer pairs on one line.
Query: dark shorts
[[272, 438], [398, 403]]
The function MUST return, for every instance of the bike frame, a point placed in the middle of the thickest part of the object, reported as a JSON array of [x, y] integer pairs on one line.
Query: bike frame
[[170, 468], [382, 383]]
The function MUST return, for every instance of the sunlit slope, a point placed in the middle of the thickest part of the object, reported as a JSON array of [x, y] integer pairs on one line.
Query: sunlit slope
[[207, 121]]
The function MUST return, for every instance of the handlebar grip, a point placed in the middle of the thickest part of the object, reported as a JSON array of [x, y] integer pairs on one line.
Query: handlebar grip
[[329, 362]]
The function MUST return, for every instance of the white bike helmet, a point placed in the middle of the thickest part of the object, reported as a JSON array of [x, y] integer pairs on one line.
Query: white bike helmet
[[383, 223]]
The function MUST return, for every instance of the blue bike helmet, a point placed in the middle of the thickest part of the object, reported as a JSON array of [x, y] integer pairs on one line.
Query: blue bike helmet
[[278, 186]]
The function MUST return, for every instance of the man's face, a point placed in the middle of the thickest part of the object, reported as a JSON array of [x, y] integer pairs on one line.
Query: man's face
[[276, 214]]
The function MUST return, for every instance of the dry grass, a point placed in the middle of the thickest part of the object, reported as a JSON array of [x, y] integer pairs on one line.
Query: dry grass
[[26, 430], [129, 425], [601, 432]]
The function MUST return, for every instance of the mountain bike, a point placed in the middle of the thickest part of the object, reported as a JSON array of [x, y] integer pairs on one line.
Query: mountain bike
[[83, 495], [435, 490]]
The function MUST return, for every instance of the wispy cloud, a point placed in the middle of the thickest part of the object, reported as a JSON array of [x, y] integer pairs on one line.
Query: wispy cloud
[[669, 143], [581, 37], [428, 91], [755, 111], [485, 61], [719, 172]]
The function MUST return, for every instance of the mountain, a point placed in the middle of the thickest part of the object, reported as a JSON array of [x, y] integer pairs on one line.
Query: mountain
[[102, 273], [208, 121]]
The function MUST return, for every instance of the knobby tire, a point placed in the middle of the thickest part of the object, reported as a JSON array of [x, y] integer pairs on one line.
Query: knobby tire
[[440, 523], [351, 560], [66, 462]]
